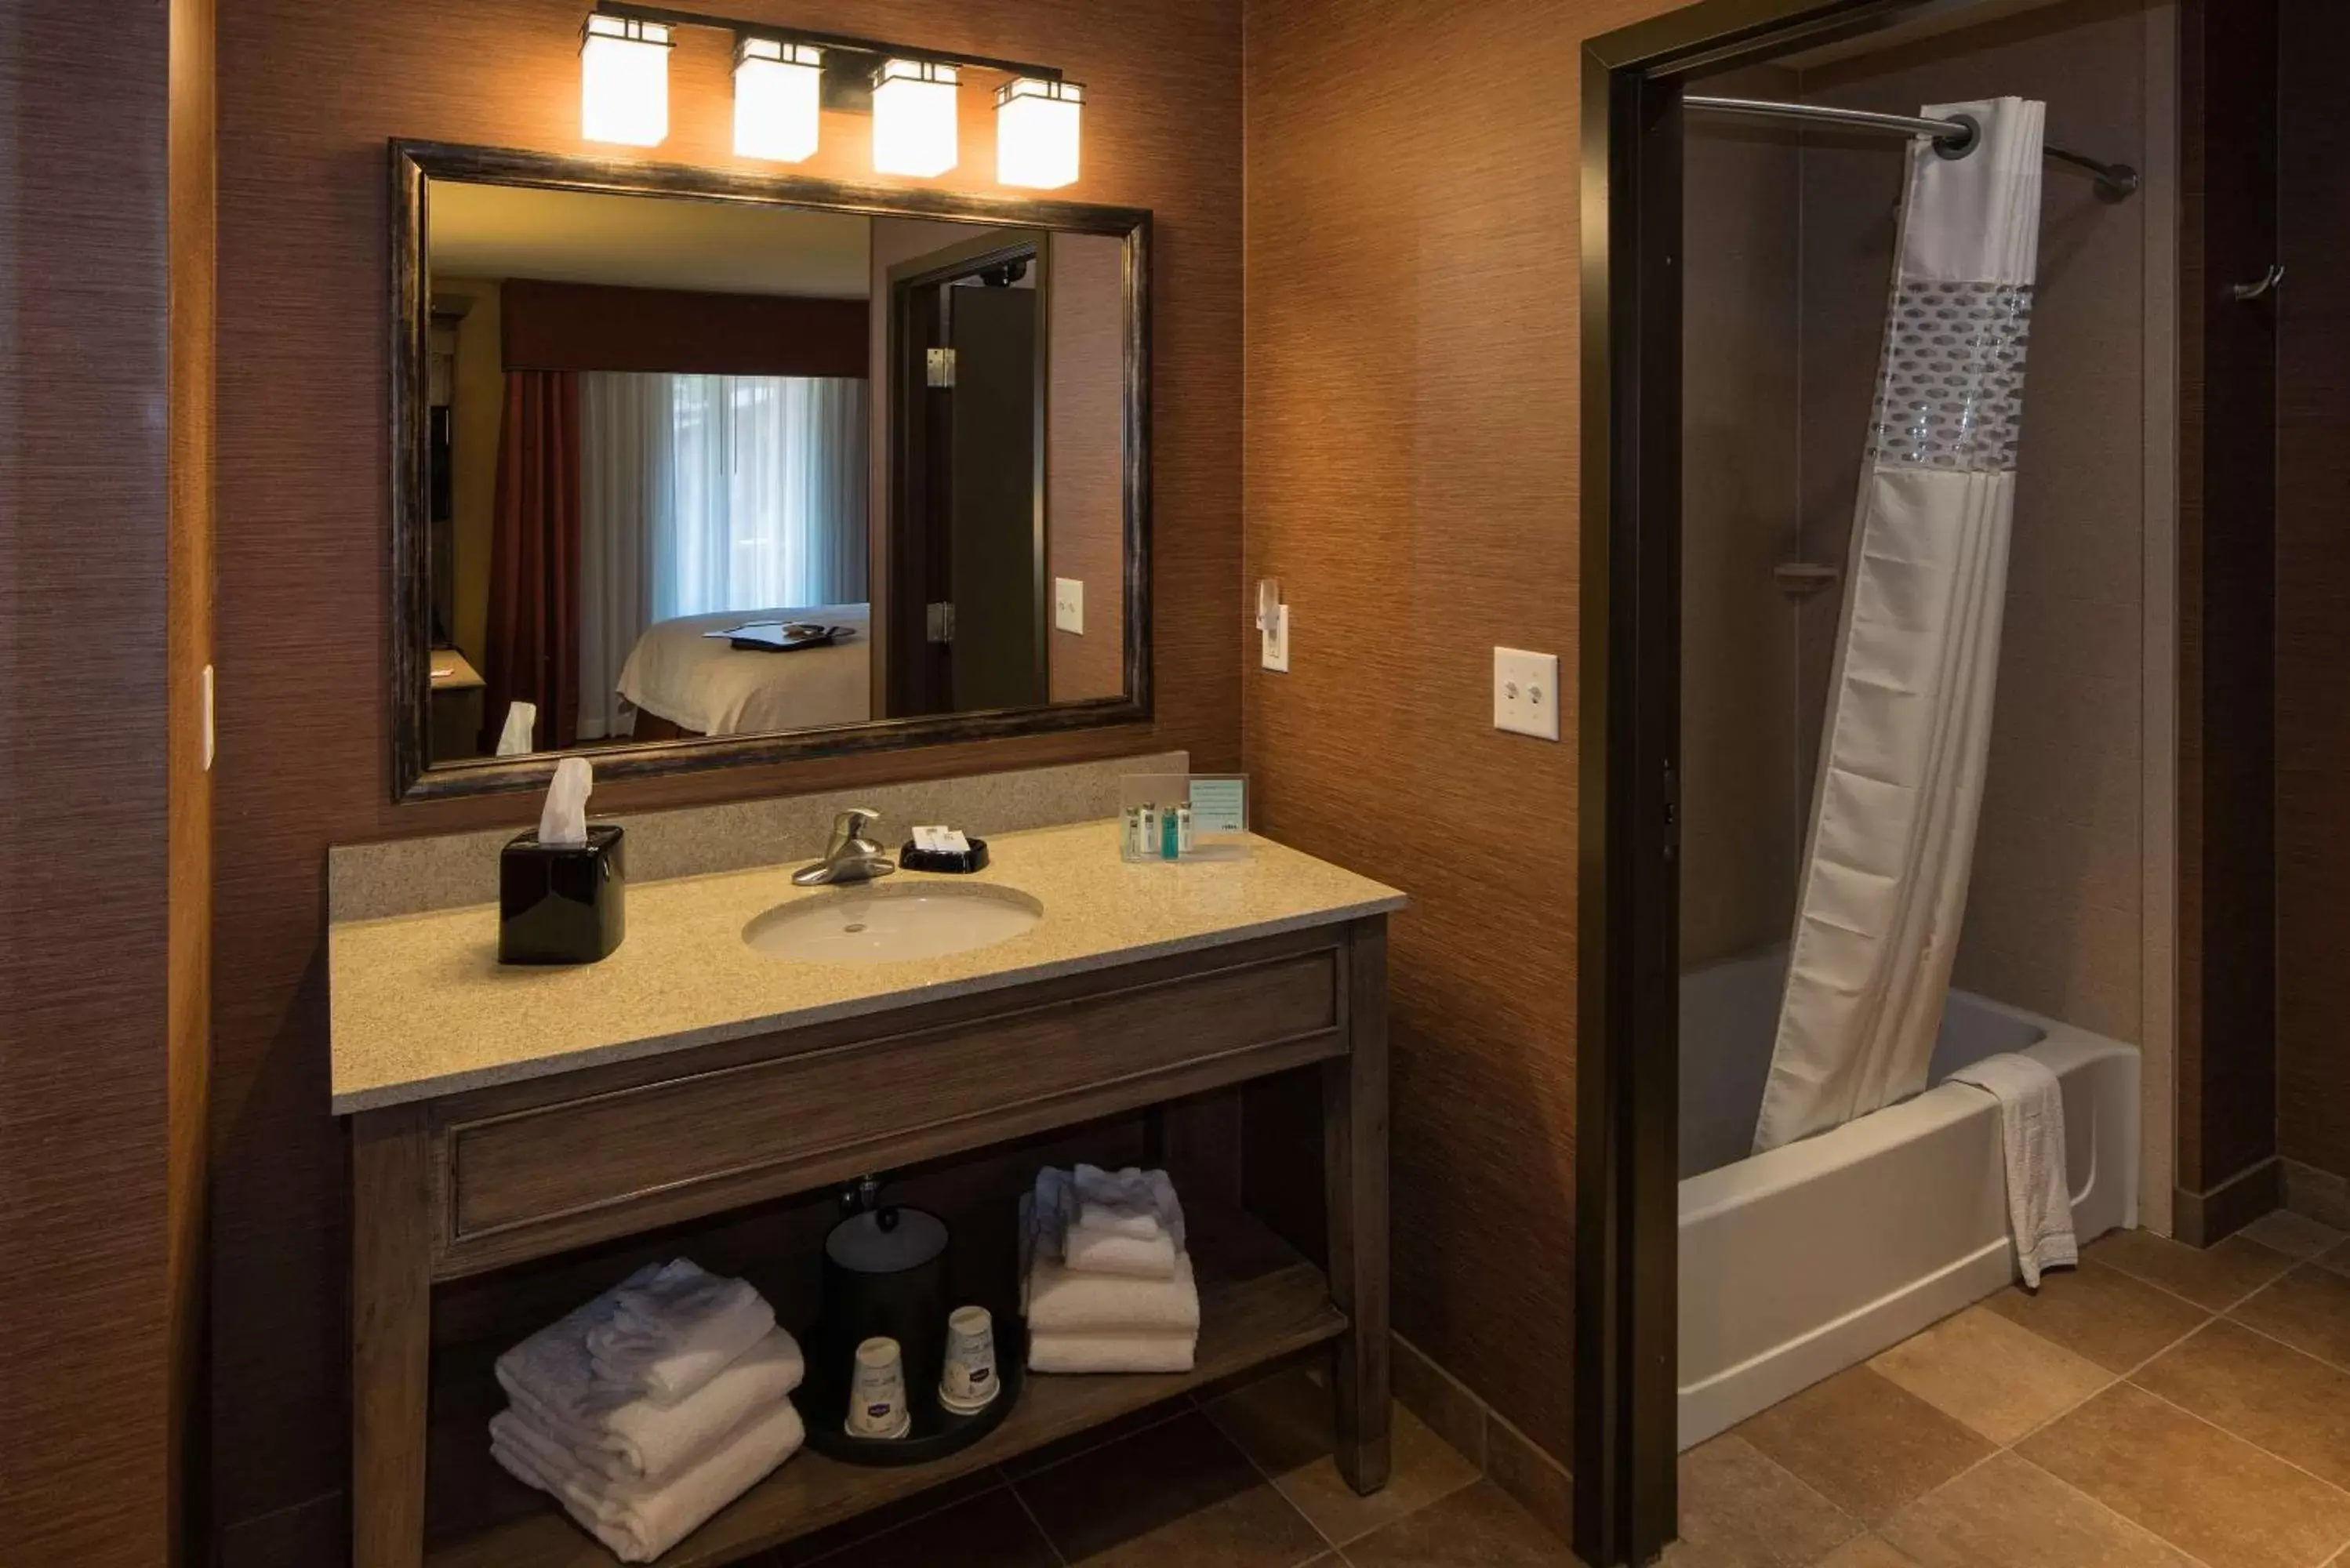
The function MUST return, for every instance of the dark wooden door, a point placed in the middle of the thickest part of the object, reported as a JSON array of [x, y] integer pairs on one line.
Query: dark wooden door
[[994, 523]]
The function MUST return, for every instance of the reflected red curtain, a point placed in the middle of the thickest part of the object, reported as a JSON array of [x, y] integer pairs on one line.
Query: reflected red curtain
[[534, 622]]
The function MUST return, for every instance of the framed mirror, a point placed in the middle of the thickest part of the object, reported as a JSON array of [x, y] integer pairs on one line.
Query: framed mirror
[[693, 468]]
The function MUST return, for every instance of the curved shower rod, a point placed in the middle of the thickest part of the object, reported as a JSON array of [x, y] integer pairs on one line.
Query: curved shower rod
[[1955, 138]]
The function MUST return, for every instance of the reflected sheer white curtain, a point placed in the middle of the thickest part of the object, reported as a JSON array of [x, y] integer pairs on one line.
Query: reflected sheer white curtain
[[625, 494], [702, 494], [771, 481], [1910, 710]]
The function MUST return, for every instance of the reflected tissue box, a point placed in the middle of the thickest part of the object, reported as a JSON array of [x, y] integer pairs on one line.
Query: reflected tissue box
[[562, 903]]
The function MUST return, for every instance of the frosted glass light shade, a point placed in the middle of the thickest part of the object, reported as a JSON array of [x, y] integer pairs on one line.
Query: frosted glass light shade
[[624, 81], [1037, 133], [914, 119], [777, 98]]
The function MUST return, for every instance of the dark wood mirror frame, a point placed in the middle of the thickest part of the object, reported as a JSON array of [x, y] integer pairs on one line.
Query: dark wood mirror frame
[[413, 162]]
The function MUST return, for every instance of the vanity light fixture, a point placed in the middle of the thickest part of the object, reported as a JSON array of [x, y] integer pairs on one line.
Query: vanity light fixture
[[624, 80], [785, 78], [778, 88], [914, 117], [1037, 133]]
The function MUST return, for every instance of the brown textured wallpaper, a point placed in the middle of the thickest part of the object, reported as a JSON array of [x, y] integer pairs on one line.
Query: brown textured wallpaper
[[88, 472], [309, 94], [1410, 474]]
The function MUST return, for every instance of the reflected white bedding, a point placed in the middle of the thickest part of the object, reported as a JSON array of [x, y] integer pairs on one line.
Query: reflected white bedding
[[700, 683]]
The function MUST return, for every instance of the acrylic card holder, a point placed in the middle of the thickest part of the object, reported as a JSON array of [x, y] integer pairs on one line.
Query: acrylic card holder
[[1182, 816]]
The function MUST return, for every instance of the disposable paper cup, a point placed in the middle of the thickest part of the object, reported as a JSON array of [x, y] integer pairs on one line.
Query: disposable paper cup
[[877, 1395], [969, 1383]]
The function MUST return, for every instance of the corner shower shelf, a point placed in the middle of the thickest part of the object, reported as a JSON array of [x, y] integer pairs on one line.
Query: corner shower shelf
[[1802, 579]]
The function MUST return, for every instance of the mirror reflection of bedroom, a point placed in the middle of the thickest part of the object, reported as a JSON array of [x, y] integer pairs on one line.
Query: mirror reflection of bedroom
[[702, 469]]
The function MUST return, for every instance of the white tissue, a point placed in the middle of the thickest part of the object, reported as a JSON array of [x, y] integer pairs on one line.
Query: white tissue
[[515, 741], [564, 820]]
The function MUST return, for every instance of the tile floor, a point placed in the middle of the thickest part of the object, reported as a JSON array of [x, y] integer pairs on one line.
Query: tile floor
[[1242, 1479], [2158, 1407]]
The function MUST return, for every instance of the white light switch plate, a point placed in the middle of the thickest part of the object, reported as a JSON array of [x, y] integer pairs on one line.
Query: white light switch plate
[[1068, 604], [1526, 692], [1276, 644]]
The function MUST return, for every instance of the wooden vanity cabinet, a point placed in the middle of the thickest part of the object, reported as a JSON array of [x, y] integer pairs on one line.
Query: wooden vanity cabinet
[[454, 1185]]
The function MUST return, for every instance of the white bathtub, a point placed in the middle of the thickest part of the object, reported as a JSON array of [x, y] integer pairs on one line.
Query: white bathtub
[[1800, 1263]]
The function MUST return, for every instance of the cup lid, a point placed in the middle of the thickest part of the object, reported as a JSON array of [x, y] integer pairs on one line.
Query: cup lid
[[886, 1240]]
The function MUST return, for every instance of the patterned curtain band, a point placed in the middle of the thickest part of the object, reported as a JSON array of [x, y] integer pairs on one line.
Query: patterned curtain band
[[1950, 392]]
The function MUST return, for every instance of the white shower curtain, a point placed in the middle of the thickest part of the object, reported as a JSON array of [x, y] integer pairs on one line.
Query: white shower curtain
[[1909, 707]]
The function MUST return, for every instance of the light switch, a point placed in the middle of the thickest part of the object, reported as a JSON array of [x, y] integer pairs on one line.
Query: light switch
[[1068, 604], [1276, 642], [1526, 692]]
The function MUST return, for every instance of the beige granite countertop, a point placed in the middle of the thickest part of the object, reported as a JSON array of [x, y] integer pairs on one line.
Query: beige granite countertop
[[420, 1006]]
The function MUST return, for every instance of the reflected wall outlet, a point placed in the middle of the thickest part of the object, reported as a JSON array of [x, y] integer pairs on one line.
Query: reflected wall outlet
[[1069, 604], [1526, 692], [1276, 643]]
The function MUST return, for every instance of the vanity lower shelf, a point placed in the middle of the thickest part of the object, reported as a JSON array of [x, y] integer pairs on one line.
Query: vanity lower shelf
[[1259, 1300]]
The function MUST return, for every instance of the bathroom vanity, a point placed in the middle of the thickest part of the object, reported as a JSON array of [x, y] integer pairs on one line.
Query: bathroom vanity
[[501, 1115]]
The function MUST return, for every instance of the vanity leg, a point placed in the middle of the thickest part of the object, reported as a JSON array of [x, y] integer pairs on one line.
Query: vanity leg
[[392, 1335], [1355, 1172]]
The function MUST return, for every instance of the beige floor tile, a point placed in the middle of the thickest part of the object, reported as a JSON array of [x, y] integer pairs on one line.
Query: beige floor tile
[[1284, 1424], [2214, 1277], [1995, 1376], [2309, 1309], [1476, 1527], [2011, 1514], [1865, 1443], [1740, 1510], [2101, 1313], [2211, 1494], [2295, 1234], [1867, 1552], [2265, 1392]]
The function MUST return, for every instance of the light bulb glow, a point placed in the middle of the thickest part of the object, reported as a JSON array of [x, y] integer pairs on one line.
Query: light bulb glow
[[914, 129], [624, 81], [777, 98], [1037, 133]]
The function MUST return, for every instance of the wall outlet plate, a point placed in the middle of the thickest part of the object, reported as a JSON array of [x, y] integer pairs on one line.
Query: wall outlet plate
[[1069, 604], [1526, 692], [1276, 643]]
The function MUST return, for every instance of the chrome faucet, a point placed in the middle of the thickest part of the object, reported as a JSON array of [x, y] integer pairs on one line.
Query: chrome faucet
[[851, 856]]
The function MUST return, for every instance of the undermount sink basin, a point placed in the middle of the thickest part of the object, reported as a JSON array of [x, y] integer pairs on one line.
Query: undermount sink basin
[[887, 922]]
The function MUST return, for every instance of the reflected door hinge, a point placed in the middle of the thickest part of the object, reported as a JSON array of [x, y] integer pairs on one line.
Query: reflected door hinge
[[942, 362], [940, 621]]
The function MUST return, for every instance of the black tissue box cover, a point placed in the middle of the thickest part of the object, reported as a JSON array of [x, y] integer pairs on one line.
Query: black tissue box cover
[[562, 903]]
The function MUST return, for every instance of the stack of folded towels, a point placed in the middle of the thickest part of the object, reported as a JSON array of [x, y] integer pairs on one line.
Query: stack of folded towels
[[1107, 1285], [651, 1408]]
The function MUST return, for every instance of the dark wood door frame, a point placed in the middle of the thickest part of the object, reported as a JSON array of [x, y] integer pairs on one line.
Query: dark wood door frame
[[1628, 1026], [914, 563]]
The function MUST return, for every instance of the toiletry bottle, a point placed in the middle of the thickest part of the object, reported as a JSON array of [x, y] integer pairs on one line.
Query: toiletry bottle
[[1171, 833], [1147, 839], [1183, 827]]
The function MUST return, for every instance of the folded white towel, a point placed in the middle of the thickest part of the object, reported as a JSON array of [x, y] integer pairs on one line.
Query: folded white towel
[[1129, 1202], [1088, 1250], [1049, 1218], [2031, 1128], [671, 1333], [640, 1522], [639, 1438], [1063, 1301], [1112, 1351]]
